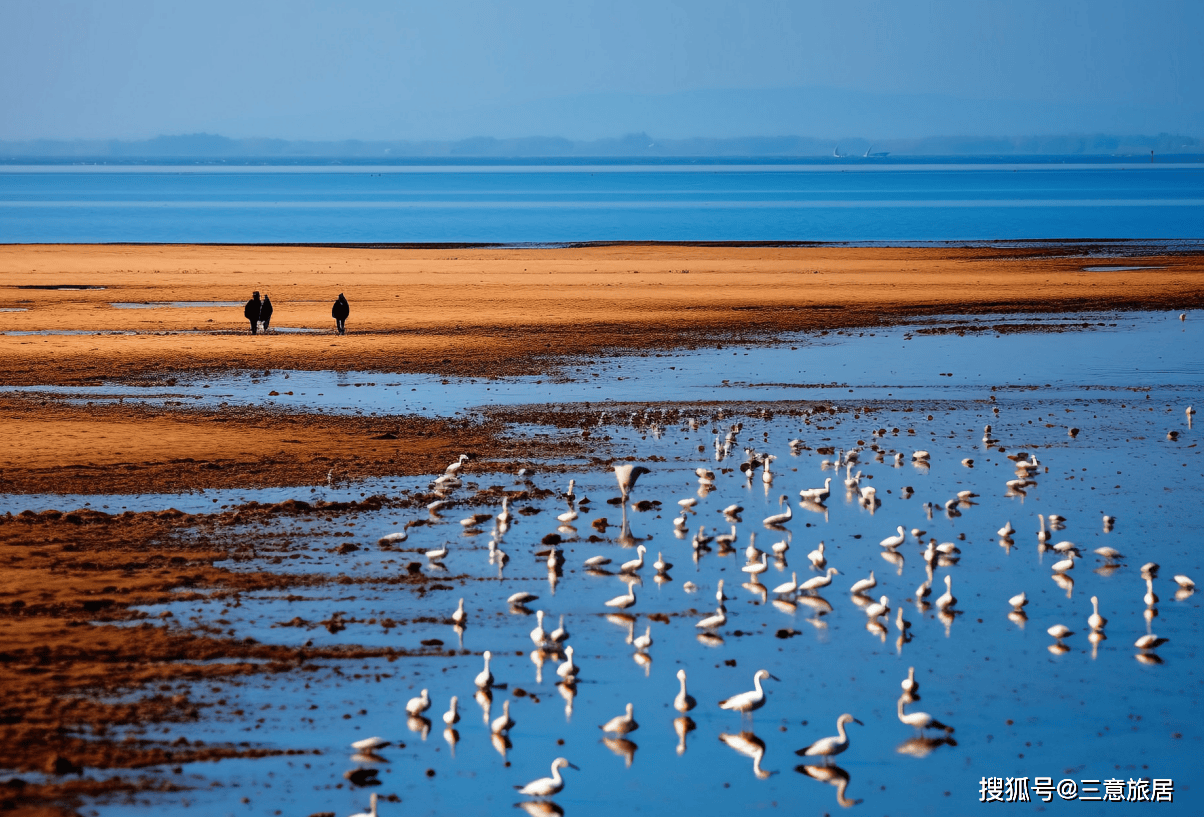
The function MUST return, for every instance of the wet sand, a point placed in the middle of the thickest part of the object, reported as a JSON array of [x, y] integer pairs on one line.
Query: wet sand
[[458, 312], [71, 579]]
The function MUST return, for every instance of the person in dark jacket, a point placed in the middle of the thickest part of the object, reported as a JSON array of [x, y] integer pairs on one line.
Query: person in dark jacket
[[339, 312], [251, 311], [265, 311]]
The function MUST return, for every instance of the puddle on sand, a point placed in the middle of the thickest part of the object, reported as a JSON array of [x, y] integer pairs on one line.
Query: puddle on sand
[[909, 362], [1019, 708]]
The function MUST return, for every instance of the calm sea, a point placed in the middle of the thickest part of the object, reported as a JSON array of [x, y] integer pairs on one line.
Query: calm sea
[[849, 200]]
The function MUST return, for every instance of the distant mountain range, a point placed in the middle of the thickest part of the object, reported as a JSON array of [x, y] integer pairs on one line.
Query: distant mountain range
[[210, 146]]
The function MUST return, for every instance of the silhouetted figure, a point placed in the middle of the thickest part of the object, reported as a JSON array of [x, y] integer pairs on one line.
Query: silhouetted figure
[[339, 312], [265, 311], [251, 311]]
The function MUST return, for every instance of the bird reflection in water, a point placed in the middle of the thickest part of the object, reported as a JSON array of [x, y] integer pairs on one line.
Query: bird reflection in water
[[541, 808], [749, 745], [622, 747], [923, 746], [683, 726], [833, 775]]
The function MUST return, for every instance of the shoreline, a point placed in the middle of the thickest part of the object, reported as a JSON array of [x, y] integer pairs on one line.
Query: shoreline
[[449, 312]]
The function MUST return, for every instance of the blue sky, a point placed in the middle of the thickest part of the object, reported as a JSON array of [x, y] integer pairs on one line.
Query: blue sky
[[309, 69]]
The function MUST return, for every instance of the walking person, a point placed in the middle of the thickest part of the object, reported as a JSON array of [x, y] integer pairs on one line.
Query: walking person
[[265, 311], [251, 311], [339, 312]]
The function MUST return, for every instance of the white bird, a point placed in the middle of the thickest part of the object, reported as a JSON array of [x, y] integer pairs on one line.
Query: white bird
[[766, 474], [437, 554], [392, 538], [780, 518], [779, 548], [1018, 601], [643, 642], [827, 747], [924, 589], [634, 564], [1060, 631], [733, 510], [1065, 564], [505, 517], [416, 706], [920, 456], [1147, 641], [1111, 554], [451, 716], [627, 476], [1184, 582], [459, 617], [1150, 598], [502, 723], [661, 565], [371, 812], [851, 481], [909, 684], [817, 495], [757, 568], [684, 701], [819, 581], [869, 496], [720, 596], [567, 669], [624, 601], [751, 700], [1043, 534], [864, 584], [751, 552], [817, 557], [559, 635], [920, 720], [455, 467], [688, 502], [1095, 620], [484, 679], [622, 724], [946, 599], [789, 587], [539, 636], [567, 517], [1007, 530], [878, 608], [547, 786], [597, 561], [370, 744], [896, 540], [718, 619], [520, 598]]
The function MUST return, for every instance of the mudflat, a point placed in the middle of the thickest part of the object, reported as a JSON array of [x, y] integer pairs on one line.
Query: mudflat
[[454, 311], [77, 645]]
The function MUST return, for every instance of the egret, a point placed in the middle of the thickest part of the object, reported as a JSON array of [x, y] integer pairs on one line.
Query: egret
[[622, 724], [643, 642], [817, 557], [920, 720], [416, 706], [864, 584], [751, 700], [780, 518], [624, 601], [502, 723], [547, 786], [712, 621], [459, 616], [484, 679], [634, 564], [819, 581], [370, 744], [909, 684], [878, 609], [684, 702], [1060, 631], [559, 635], [894, 541], [451, 716], [817, 495], [627, 476], [789, 587], [946, 600], [1095, 620], [539, 636], [567, 670], [827, 747], [1018, 601]]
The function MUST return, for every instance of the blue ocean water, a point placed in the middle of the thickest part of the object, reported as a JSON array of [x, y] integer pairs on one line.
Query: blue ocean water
[[845, 200]]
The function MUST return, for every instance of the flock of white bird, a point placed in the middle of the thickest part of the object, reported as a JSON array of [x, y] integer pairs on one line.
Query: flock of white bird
[[787, 596]]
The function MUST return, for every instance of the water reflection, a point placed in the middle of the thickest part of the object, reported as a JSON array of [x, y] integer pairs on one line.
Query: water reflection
[[749, 745], [833, 775]]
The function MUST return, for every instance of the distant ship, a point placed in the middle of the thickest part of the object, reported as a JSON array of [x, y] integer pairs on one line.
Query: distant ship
[[869, 155]]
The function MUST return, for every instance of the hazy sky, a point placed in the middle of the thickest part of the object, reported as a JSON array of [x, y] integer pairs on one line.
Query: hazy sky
[[392, 69]]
